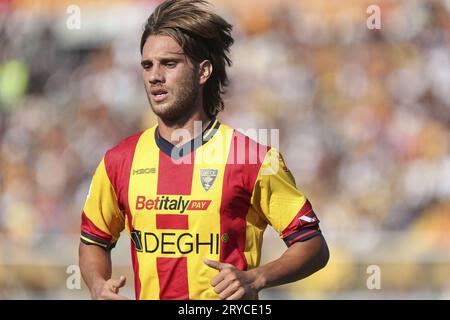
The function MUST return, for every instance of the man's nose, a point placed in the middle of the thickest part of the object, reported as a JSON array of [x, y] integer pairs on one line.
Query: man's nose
[[156, 75]]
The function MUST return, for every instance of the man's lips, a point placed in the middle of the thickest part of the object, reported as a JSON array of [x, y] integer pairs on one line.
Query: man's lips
[[158, 94]]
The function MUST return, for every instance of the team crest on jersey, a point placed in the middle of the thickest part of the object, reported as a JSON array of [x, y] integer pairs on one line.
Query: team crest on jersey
[[207, 177]]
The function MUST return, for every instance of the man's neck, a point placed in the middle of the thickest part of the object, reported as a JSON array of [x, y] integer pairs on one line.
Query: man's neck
[[187, 128]]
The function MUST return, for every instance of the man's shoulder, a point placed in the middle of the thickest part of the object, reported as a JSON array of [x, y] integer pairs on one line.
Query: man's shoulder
[[119, 159], [125, 146], [249, 135], [125, 149], [246, 148]]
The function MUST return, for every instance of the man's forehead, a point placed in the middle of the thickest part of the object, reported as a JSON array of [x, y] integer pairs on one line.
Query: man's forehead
[[157, 45]]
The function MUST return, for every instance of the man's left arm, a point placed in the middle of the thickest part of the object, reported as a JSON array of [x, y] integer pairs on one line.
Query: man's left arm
[[278, 201], [298, 262]]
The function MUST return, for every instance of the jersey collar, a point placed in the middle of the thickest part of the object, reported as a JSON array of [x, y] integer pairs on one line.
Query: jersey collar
[[187, 148]]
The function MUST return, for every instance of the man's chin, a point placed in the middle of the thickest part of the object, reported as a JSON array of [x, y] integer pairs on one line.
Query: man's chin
[[168, 113], [161, 109]]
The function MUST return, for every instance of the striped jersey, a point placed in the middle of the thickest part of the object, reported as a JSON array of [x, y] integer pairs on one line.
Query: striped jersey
[[209, 198]]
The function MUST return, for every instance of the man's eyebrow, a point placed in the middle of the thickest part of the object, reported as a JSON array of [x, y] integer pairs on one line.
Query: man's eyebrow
[[178, 53], [144, 62], [164, 58]]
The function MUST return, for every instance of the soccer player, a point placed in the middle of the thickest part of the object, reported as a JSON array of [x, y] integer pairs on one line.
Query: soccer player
[[193, 194]]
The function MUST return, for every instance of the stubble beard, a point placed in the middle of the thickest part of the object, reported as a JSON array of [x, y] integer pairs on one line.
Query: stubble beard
[[183, 105]]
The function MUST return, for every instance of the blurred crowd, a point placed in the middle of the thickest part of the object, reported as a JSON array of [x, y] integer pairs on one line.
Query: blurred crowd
[[363, 115]]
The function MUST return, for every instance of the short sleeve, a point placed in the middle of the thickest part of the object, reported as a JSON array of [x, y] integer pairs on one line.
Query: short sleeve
[[276, 198], [102, 220]]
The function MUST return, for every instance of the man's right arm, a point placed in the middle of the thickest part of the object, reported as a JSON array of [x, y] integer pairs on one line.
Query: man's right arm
[[95, 265], [101, 224]]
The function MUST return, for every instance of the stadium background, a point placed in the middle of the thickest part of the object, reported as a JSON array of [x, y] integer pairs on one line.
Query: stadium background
[[363, 115]]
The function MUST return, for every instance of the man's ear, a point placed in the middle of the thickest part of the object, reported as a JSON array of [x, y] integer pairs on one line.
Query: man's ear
[[205, 70]]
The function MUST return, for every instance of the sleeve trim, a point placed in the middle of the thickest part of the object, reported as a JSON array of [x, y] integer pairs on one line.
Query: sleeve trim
[[301, 236], [90, 239]]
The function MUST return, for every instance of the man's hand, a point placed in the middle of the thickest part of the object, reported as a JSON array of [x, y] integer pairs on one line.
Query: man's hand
[[109, 290], [231, 283]]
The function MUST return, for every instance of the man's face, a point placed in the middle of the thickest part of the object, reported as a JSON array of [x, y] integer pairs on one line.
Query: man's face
[[170, 78]]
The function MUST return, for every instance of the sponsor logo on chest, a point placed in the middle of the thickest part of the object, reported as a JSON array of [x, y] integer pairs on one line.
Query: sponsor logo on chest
[[167, 203]]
